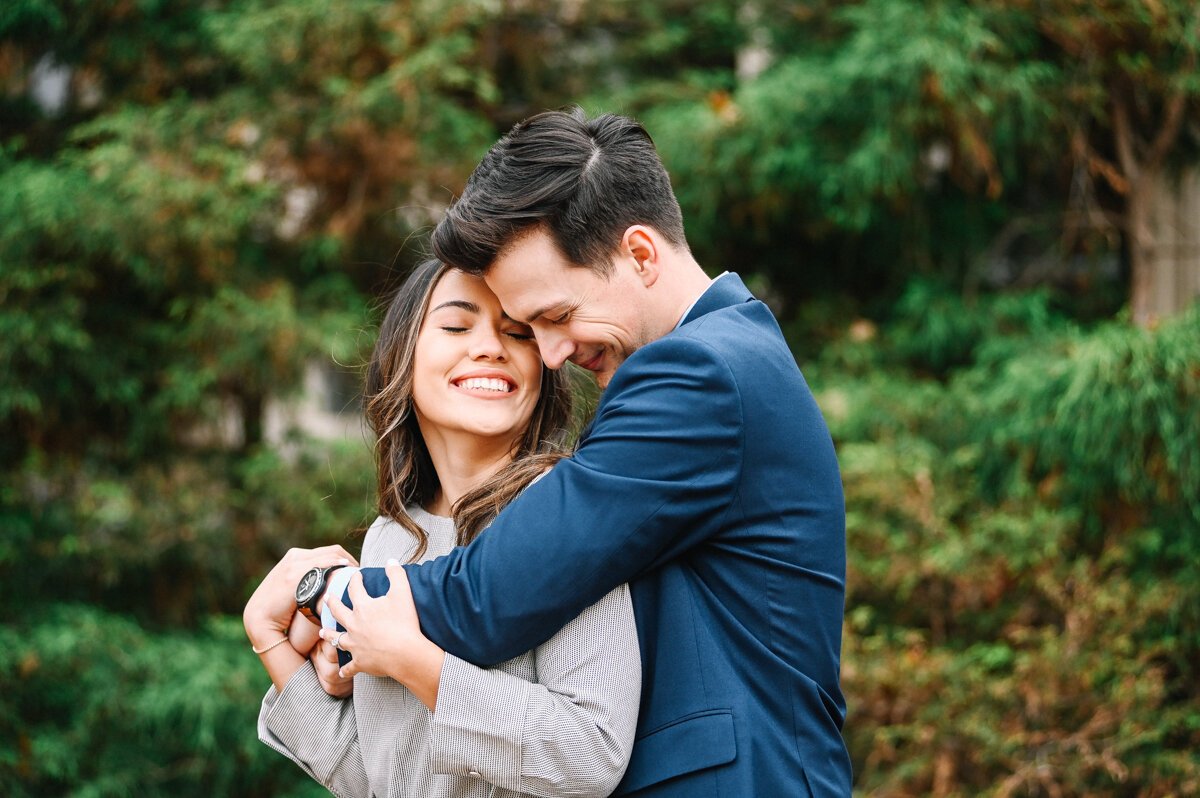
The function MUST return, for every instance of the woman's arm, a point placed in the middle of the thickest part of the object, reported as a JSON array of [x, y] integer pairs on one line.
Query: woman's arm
[[569, 733], [269, 612], [316, 731]]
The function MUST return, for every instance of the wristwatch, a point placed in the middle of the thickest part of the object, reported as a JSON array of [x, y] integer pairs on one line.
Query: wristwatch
[[310, 590]]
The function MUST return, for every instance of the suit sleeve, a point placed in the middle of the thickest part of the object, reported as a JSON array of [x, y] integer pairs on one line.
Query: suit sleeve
[[653, 479]]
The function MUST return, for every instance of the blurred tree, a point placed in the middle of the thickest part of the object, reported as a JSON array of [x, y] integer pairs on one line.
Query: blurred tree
[[880, 139], [1130, 90], [887, 137], [199, 198], [200, 193]]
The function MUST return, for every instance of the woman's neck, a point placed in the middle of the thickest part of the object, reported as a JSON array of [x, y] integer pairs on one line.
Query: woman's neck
[[463, 463]]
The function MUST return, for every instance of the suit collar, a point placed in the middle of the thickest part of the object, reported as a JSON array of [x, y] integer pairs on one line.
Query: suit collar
[[725, 291]]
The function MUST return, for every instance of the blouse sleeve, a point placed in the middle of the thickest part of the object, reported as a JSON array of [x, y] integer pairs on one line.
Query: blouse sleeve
[[317, 732], [568, 734], [308, 726]]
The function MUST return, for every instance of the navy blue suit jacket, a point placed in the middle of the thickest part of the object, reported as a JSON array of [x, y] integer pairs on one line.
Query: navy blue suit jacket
[[707, 481]]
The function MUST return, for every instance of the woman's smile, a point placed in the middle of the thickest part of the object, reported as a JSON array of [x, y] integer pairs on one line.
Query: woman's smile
[[475, 370], [486, 384]]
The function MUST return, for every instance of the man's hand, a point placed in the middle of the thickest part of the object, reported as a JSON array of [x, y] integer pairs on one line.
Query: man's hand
[[384, 636], [325, 661]]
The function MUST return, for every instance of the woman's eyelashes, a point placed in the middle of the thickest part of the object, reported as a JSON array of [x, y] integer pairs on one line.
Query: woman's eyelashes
[[518, 334]]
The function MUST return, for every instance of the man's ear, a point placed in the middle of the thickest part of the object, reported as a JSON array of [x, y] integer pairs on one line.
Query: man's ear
[[641, 245]]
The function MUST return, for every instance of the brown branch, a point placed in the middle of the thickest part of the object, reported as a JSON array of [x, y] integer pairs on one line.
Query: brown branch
[[1097, 164], [1169, 133], [1124, 140], [1174, 117]]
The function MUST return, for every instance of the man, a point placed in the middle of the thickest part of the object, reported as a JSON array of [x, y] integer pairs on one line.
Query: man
[[707, 479]]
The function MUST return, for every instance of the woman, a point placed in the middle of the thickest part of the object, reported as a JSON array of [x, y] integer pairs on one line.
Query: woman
[[466, 417]]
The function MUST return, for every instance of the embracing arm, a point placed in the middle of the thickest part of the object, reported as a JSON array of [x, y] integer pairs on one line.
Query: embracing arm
[[654, 478]]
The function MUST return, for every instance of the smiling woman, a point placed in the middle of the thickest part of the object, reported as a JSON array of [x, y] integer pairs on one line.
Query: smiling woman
[[476, 371], [428, 311], [466, 417]]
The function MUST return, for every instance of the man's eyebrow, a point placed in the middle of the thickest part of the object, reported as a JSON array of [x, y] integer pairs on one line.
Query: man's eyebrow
[[542, 311], [470, 307]]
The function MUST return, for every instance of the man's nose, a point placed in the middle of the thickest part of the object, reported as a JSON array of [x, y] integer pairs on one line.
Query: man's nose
[[554, 348]]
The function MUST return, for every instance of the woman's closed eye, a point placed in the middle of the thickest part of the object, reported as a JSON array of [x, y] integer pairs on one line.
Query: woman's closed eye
[[453, 330], [520, 334]]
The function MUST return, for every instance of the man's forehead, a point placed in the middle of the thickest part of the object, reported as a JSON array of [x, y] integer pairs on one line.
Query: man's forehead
[[528, 306], [524, 293]]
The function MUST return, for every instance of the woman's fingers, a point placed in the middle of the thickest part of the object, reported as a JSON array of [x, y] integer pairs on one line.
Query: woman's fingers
[[397, 579], [355, 589], [342, 640], [342, 614], [338, 554], [324, 659]]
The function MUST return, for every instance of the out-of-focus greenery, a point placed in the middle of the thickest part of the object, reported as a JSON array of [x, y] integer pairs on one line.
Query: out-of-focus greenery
[[928, 193], [1024, 607]]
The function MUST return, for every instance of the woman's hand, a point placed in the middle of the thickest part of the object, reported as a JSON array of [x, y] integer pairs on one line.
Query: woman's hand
[[325, 662], [269, 612], [384, 636], [303, 634]]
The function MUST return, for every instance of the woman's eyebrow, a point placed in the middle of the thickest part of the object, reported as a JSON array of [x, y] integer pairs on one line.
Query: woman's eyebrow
[[470, 307]]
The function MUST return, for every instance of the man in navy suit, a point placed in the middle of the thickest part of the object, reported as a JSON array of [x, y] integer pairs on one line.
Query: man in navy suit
[[707, 479]]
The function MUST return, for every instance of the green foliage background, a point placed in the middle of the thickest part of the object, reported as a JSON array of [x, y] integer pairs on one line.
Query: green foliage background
[[923, 191]]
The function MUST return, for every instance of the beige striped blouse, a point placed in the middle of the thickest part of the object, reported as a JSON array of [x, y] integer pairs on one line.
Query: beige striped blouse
[[556, 721]]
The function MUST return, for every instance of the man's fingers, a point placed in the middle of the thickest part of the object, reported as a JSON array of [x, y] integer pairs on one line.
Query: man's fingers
[[349, 669]]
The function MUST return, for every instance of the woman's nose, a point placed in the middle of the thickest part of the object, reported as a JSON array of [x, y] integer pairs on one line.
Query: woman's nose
[[486, 343]]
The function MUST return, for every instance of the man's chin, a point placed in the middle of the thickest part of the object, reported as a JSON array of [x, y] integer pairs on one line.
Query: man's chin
[[603, 378], [604, 371]]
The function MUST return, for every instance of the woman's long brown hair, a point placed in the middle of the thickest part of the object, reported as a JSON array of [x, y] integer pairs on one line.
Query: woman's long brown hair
[[405, 471]]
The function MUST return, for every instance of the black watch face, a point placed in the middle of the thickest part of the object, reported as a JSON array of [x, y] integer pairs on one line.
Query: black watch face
[[310, 583]]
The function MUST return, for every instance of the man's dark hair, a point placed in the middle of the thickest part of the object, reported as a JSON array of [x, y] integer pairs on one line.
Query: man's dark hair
[[582, 181]]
